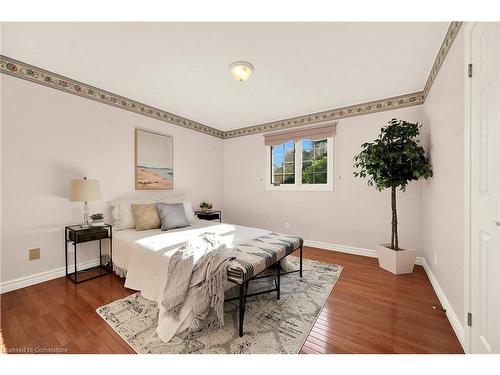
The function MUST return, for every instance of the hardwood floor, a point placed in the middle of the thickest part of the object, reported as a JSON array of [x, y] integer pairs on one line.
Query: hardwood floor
[[369, 311], [373, 311]]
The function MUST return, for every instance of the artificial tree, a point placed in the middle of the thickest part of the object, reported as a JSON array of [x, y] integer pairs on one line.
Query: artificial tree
[[393, 160]]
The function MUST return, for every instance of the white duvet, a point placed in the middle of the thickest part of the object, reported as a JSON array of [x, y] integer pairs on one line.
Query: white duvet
[[145, 256]]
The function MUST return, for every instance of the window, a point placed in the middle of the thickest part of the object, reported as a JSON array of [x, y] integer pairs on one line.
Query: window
[[283, 160], [300, 165], [314, 162]]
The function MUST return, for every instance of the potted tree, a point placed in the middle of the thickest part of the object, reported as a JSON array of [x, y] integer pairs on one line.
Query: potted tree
[[390, 162]]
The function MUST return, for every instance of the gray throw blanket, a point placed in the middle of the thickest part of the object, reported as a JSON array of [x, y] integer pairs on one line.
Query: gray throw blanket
[[198, 267]]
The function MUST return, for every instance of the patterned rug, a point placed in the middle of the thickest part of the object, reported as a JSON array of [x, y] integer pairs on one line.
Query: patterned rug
[[271, 325]]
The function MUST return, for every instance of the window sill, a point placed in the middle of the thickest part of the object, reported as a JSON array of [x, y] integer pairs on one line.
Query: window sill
[[312, 187]]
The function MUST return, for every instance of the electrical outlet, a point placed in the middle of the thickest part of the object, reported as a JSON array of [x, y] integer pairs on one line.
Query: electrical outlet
[[287, 226], [34, 253], [435, 259]]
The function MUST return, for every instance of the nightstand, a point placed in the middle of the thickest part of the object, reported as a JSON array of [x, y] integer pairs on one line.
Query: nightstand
[[209, 215], [75, 235]]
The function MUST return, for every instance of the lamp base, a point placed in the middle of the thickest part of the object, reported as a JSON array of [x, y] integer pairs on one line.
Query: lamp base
[[86, 221]]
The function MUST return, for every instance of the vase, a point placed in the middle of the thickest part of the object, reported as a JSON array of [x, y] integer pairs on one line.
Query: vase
[[398, 262], [97, 222]]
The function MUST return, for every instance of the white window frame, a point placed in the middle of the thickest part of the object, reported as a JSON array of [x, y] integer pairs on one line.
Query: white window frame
[[298, 185]]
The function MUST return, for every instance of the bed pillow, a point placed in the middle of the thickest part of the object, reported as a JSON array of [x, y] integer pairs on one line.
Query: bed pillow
[[145, 216], [172, 216], [121, 212], [188, 208]]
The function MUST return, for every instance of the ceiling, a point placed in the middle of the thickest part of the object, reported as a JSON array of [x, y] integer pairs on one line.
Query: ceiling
[[182, 68]]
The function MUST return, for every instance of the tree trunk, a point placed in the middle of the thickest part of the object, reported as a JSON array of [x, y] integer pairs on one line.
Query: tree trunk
[[394, 235]]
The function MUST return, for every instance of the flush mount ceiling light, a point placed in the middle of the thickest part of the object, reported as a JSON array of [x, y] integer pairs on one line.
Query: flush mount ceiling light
[[241, 70]]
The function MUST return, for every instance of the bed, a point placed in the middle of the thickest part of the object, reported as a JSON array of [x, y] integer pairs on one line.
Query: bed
[[143, 257]]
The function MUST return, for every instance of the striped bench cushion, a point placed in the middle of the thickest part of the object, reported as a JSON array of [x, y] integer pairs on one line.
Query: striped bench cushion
[[257, 255]]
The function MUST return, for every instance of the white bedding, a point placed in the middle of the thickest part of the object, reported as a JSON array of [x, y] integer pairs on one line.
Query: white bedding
[[145, 256]]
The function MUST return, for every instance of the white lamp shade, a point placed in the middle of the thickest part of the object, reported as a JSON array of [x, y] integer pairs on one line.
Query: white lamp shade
[[84, 190]]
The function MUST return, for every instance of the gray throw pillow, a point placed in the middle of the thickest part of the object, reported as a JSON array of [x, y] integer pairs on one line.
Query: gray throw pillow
[[172, 216]]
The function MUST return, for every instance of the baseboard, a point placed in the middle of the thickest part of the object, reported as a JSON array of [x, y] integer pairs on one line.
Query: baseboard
[[351, 250], [450, 313], [25, 281]]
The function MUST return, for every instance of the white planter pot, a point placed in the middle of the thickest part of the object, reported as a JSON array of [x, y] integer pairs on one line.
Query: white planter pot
[[98, 223], [397, 262]]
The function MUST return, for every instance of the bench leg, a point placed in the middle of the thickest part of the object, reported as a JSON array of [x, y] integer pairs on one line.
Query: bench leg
[[301, 248], [242, 308], [278, 284]]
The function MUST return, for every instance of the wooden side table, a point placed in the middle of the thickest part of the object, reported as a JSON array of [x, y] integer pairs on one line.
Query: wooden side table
[[209, 215], [75, 235]]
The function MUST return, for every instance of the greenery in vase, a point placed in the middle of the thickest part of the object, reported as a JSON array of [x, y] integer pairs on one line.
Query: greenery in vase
[[206, 206], [98, 216], [393, 160]]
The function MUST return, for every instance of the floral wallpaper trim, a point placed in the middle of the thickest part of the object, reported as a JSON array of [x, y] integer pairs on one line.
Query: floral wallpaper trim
[[34, 74], [443, 51], [334, 114], [360, 109], [31, 73]]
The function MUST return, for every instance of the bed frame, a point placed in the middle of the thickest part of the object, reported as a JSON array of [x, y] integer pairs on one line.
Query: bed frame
[[243, 295]]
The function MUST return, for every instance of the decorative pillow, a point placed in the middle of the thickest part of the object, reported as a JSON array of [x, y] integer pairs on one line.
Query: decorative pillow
[[145, 216], [188, 208], [172, 215], [121, 212]]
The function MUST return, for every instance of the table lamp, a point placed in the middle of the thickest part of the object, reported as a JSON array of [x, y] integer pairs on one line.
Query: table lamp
[[84, 190]]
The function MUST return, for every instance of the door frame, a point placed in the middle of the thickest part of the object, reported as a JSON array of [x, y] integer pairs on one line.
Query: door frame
[[469, 26]]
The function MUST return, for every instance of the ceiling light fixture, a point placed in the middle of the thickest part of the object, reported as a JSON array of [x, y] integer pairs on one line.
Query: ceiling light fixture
[[241, 70]]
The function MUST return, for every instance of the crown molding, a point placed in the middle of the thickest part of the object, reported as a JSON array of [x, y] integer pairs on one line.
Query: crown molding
[[44, 77]]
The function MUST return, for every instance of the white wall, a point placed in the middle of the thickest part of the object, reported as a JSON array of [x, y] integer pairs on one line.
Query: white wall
[[443, 195], [354, 214], [50, 137]]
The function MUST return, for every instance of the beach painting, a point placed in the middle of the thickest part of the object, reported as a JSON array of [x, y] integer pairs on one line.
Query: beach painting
[[154, 164]]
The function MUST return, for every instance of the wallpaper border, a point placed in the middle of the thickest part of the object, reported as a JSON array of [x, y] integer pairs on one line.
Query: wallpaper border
[[449, 38], [334, 114], [44, 77], [402, 101]]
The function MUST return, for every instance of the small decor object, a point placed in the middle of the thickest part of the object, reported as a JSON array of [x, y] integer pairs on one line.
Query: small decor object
[[205, 206], [97, 219], [391, 161], [153, 161], [84, 190]]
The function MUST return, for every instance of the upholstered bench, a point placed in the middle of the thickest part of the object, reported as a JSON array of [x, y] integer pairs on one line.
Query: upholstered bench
[[254, 257]]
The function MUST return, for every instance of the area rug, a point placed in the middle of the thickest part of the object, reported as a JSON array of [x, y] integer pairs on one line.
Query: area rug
[[271, 326]]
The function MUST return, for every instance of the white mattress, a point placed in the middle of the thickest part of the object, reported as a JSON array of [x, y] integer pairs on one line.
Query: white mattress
[[142, 253]]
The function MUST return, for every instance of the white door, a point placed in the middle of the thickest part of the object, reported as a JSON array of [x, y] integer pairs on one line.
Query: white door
[[485, 188]]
